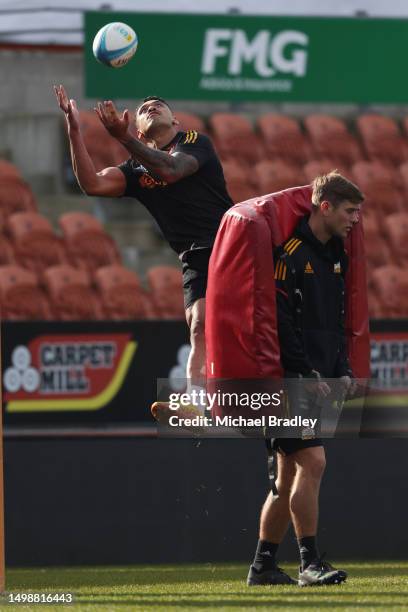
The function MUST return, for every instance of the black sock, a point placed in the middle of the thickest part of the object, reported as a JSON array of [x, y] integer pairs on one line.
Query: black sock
[[308, 550], [265, 556]]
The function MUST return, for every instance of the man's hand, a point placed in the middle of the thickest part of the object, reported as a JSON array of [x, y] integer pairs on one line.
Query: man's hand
[[317, 385], [117, 125], [348, 384], [69, 107]]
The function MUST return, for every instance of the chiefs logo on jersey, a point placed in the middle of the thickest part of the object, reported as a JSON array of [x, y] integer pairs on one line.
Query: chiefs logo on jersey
[[149, 182]]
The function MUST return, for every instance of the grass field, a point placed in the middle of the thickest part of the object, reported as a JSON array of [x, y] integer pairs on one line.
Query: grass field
[[371, 586]]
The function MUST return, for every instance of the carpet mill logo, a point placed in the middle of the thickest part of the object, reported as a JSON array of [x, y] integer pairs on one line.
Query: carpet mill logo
[[389, 361], [21, 375], [67, 372]]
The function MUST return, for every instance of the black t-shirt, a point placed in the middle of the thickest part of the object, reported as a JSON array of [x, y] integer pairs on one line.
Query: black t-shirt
[[188, 211]]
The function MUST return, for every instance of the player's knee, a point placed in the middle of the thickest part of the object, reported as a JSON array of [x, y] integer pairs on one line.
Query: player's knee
[[313, 462], [284, 488], [316, 466]]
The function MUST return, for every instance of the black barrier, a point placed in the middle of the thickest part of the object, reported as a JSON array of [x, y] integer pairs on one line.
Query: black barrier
[[105, 501], [84, 373], [88, 373]]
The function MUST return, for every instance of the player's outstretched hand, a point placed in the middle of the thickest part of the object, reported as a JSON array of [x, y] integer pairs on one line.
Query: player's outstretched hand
[[116, 124], [68, 106], [349, 385]]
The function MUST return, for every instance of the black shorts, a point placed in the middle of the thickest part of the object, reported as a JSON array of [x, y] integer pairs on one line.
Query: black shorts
[[287, 446], [195, 274]]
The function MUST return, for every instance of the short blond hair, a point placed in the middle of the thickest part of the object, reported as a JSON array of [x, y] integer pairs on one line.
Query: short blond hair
[[335, 188]]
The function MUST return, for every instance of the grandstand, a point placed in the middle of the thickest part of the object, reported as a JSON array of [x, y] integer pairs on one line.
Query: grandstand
[[261, 154]]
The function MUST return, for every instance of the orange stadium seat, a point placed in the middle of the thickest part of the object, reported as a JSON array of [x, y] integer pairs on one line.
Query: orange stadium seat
[[20, 296], [6, 251], [16, 196], [277, 175], [403, 171], [188, 121], [9, 170], [70, 294], [166, 285], [374, 305], [381, 138], [239, 180], [316, 167], [234, 136], [75, 222], [396, 232], [330, 138], [390, 285], [121, 294], [88, 245], [380, 184], [283, 138], [377, 253], [36, 246]]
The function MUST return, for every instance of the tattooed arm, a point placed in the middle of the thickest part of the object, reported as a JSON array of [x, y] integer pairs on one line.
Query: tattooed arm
[[169, 168]]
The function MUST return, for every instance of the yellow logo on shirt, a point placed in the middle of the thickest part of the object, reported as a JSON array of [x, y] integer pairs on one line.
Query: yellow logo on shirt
[[191, 137], [337, 268], [308, 268]]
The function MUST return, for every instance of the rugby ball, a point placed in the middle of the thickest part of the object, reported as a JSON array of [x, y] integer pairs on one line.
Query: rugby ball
[[115, 44]]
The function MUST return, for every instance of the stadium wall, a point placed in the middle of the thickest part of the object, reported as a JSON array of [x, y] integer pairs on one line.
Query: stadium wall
[[138, 500]]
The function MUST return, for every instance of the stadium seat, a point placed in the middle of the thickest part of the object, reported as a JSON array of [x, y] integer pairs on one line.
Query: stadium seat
[[380, 184], [396, 231], [122, 295], [6, 251], [403, 171], [75, 222], [276, 175], [16, 196], [377, 253], [188, 121], [70, 294], [239, 180], [283, 138], [9, 170], [389, 283], [36, 247], [374, 305], [88, 245], [233, 135], [316, 167], [330, 138], [166, 286], [381, 138], [20, 296]]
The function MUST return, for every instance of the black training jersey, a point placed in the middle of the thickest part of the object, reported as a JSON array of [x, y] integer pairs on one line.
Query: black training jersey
[[188, 211], [309, 278]]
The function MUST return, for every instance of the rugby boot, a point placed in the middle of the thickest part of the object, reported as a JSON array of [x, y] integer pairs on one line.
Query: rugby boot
[[162, 412], [272, 576], [319, 573]]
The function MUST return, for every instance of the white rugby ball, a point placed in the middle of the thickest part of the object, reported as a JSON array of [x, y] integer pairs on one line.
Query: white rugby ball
[[115, 44]]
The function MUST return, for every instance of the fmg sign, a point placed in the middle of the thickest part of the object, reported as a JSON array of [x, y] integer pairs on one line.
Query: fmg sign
[[245, 58]]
